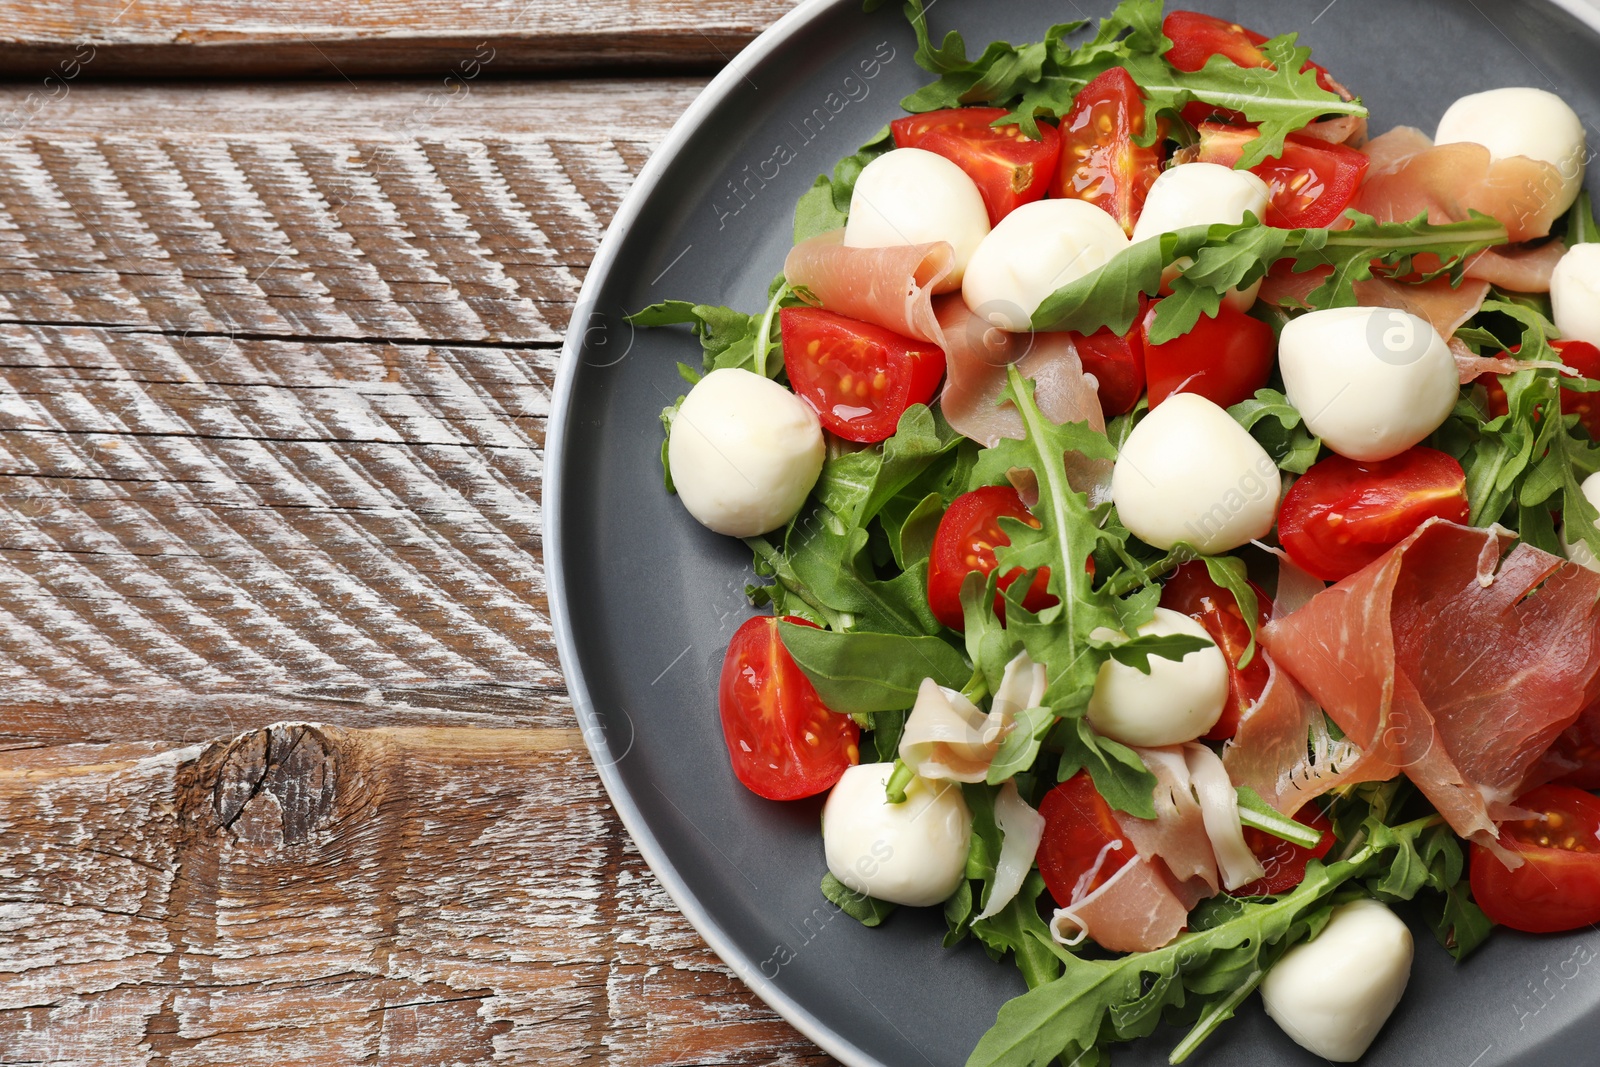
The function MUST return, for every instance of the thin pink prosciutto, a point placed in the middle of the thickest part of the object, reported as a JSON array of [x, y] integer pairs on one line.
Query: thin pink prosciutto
[[1452, 660], [888, 287], [1411, 175]]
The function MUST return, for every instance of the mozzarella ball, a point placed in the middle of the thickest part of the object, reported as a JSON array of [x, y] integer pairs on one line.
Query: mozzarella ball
[[1522, 122], [913, 853], [1333, 994], [744, 452], [1579, 551], [1203, 194], [1371, 382], [1188, 472], [1178, 701], [1034, 251], [912, 197], [1575, 294], [1200, 194]]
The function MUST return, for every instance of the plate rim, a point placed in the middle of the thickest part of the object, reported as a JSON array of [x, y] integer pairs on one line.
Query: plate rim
[[717, 91]]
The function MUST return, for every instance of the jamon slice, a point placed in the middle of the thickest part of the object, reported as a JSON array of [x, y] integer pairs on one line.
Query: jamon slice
[[1453, 661], [1134, 911], [1410, 175], [888, 287]]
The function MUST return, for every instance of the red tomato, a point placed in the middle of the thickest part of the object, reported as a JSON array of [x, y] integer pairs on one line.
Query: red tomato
[[1582, 357], [1079, 834], [965, 542], [1196, 38], [1341, 515], [1285, 862], [1312, 182], [784, 742], [1224, 359], [1117, 363], [1009, 167], [1099, 161], [1558, 885], [859, 378], [1581, 745], [1191, 591]]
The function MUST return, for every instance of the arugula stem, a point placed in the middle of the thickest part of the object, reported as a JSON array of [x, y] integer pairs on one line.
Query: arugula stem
[[1281, 827], [763, 344], [895, 789], [1219, 1013]]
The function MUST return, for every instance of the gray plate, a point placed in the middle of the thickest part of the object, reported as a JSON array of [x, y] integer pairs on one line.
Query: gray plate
[[645, 600]]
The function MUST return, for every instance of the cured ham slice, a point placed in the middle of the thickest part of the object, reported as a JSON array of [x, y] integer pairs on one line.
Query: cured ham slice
[[1411, 175], [1453, 661], [1283, 749], [1471, 367], [1219, 805], [1134, 911], [1021, 828], [1444, 306], [888, 287], [948, 737], [1522, 269], [1177, 835]]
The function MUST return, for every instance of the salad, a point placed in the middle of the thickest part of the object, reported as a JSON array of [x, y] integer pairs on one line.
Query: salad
[[1177, 511]]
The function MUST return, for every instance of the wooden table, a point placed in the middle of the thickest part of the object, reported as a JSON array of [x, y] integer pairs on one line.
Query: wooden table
[[288, 774]]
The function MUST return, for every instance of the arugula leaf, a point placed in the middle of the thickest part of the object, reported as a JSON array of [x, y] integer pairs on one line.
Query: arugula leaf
[[865, 672], [1279, 428], [868, 911], [1255, 812], [1226, 257], [1135, 652], [1119, 775], [728, 337], [1527, 459], [1230, 944], [1280, 99], [1581, 226], [826, 205], [1018, 928]]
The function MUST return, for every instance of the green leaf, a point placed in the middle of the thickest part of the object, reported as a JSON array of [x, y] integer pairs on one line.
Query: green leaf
[[1253, 811], [1018, 928], [1119, 774], [868, 911], [1277, 427], [1581, 227], [1224, 256], [1280, 99], [1231, 573], [1020, 748], [866, 672], [1135, 652]]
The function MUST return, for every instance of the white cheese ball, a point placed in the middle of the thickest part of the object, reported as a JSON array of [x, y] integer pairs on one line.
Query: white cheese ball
[[914, 853], [912, 197], [1522, 122], [1333, 994], [1579, 552], [1178, 701], [1575, 294], [1371, 382], [1034, 251], [1200, 194], [744, 452], [1188, 472], [1203, 194]]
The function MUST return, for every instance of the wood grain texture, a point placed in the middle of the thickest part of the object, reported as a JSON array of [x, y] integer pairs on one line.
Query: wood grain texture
[[334, 38], [287, 770]]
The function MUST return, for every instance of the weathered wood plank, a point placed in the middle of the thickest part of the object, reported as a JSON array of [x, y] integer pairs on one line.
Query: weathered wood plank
[[309, 894], [333, 39], [274, 372]]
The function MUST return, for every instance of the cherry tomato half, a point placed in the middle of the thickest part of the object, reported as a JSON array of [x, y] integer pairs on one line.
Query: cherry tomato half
[[1224, 359], [1582, 357], [1196, 38], [1312, 182], [1285, 861], [1191, 591], [1080, 833], [1117, 363], [859, 378], [1343, 514], [784, 742], [1099, 161], [1009, 167], [965, 542], [1581, 745], [1558, 885]]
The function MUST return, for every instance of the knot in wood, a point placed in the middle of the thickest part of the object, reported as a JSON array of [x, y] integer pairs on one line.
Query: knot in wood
[[278, 784]]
